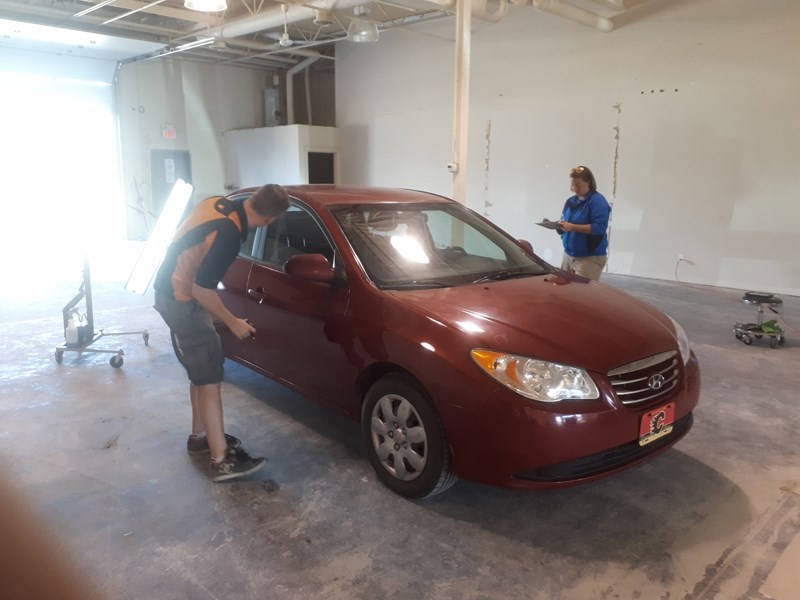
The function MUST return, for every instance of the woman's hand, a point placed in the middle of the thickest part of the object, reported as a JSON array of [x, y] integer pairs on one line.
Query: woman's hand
[[580, 228]]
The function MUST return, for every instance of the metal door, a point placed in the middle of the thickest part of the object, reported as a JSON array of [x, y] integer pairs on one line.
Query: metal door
[[166, 167]]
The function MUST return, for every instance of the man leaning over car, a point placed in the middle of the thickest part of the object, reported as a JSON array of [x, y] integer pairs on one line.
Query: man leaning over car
[[203, 248]]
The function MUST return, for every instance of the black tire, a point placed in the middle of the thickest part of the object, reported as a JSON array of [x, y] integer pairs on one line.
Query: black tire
[[116, 361], [416, 465], [738, 335], [747, 340]]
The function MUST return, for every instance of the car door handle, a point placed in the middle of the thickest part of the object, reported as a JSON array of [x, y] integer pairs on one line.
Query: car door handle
[[257, 294]]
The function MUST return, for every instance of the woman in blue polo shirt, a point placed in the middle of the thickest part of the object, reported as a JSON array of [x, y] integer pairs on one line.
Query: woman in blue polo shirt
[[584, 225]]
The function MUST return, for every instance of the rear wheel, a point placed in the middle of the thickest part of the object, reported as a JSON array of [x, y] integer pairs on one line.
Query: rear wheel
[[405, 438]]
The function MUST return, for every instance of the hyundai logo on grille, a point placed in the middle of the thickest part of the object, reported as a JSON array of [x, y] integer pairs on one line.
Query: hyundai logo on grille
[[655, 381]]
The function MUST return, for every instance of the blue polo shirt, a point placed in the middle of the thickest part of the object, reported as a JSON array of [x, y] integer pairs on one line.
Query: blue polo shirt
[[594, 210]]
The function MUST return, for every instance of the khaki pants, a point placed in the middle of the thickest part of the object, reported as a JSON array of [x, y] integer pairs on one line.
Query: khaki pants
[[586, 266]]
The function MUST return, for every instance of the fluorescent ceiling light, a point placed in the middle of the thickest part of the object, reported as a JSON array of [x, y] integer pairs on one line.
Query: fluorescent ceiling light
[[206, 5]]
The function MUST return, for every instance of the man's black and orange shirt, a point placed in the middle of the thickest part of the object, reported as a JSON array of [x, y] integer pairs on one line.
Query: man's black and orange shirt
[[203, 248]]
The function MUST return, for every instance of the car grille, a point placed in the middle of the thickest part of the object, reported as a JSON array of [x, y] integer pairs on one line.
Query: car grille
[[606, 460], [647, 379]]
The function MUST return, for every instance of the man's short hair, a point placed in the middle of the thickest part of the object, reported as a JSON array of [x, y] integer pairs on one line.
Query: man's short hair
[[269, 200]]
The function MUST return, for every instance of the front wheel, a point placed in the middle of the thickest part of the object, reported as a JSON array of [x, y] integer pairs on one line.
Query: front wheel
[[405, 439]]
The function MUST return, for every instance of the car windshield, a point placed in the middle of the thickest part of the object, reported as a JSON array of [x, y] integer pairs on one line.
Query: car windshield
[[407, 246]]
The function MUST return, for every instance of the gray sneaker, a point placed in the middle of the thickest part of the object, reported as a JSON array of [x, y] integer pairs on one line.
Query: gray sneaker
[[199, 445], [237, 463]]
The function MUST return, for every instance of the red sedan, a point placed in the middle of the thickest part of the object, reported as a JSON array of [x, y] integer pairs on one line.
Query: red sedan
[[460, 352]]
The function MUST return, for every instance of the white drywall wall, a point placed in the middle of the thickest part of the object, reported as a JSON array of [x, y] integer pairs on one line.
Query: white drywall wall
[[703, 94]]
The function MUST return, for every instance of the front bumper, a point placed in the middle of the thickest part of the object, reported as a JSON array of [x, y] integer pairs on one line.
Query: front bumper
[[510, 441]]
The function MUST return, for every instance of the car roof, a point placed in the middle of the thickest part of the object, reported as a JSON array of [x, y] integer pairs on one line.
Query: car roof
[[324, 194]]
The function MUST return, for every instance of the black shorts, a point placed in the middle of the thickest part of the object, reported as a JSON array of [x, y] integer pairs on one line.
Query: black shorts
[[194, 339]]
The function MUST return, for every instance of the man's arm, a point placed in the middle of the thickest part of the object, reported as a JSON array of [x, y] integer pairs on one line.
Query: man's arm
[[210, 300]]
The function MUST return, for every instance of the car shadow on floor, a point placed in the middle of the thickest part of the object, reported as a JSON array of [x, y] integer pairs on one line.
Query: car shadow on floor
[[633, 517], [640, 515]]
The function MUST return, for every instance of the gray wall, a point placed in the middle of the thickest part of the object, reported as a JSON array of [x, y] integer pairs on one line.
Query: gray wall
[[703, 94]]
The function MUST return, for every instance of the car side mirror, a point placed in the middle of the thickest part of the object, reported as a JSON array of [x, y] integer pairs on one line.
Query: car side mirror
[[310, 267], [526, 245]]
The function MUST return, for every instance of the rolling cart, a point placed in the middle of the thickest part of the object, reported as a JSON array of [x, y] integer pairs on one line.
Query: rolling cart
[[79, 333], [761, 329]]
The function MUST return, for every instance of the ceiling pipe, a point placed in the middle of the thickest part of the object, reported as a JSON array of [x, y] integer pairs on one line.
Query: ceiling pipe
[[290, 87], [274, 18]]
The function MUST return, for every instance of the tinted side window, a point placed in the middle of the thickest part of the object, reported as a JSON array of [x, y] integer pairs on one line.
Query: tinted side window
[[249, 248], [295, 232]]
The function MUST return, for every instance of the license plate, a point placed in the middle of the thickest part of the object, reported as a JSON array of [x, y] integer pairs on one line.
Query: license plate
[[656, 423]]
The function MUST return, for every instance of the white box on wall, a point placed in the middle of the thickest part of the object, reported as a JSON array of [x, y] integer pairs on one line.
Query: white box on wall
[[279, 155]]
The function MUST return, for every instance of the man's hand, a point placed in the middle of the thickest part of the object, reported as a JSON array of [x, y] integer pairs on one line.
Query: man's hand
[[242, 329], [210, 300]]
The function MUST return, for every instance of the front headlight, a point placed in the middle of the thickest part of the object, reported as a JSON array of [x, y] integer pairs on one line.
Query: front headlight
[[536, 379], [683, 341]]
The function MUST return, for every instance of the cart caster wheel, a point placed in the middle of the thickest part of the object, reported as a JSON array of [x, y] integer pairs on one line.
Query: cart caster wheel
[[116, 361], [59, 356], [738, 335], [747, 340], [146, 338], [773, 343]]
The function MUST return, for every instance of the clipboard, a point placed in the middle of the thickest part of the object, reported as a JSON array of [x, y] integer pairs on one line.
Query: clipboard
[[549, 224]]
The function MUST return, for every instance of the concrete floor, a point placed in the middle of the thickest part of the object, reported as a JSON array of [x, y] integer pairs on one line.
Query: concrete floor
[[100, 454]]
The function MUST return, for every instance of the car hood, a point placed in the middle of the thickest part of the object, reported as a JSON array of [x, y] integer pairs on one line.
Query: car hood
[[558, 318]]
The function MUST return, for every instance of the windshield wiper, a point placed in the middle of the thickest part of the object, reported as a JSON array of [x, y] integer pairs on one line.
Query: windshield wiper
[[415, 284], [501, 275]]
